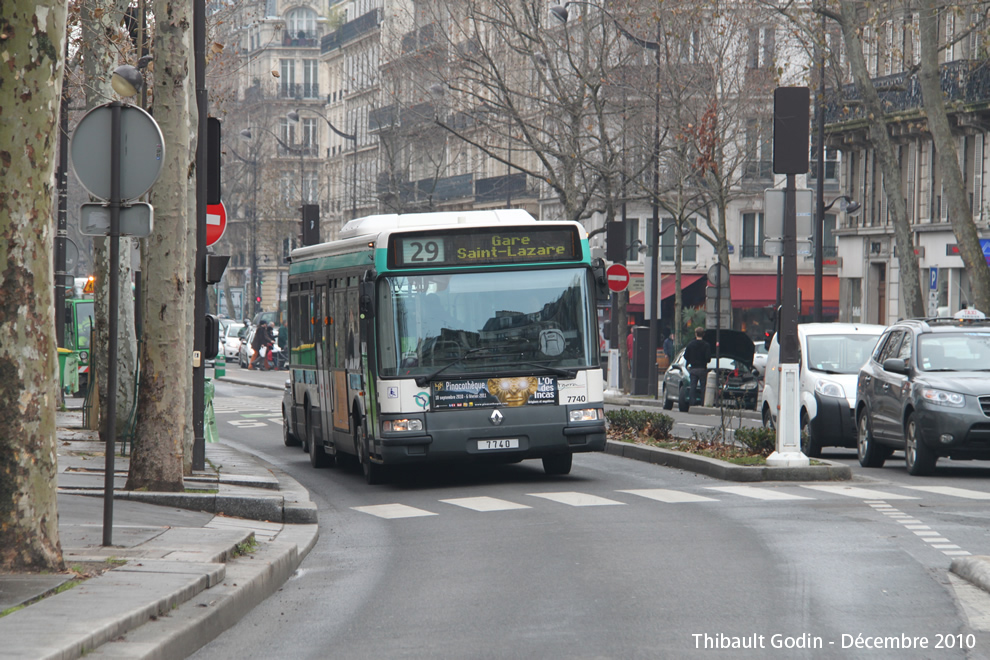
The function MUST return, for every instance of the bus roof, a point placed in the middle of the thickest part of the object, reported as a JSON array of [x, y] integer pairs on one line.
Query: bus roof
[[355, 235]]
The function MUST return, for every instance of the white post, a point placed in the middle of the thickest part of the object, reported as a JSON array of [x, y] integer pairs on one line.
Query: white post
[[613, 371], [788, 452]]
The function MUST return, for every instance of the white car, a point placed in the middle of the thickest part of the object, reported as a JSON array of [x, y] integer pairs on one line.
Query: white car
[[831, 355], [230, 340], [759, 358]]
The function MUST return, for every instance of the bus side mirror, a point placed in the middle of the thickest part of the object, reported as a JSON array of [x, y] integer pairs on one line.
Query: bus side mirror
[[601, 280], [366, 295]]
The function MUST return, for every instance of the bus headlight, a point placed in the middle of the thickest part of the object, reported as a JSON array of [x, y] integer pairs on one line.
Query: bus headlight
[[586, 415], [402, 425]]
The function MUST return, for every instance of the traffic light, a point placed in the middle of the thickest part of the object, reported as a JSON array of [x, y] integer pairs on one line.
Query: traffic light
[[212, 328]]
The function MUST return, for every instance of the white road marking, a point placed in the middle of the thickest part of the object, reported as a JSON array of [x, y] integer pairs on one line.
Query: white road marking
[[861, 493], [485, 504], [669, 496], [577, 499], [953, 491], [758, 493], [393, 511]]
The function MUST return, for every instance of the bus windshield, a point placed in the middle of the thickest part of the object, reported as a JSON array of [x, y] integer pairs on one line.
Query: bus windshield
[[484, 322], [84, 323]]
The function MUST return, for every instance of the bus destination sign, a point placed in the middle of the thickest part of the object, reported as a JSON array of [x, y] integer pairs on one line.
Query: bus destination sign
[[484, 246]]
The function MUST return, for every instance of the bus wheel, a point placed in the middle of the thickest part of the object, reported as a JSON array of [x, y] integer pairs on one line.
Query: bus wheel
[[558, 463], [288, 437], [374, 473]]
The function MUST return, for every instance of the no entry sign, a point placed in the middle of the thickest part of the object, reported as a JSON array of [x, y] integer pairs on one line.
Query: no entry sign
[[618, 277], [216, 222]]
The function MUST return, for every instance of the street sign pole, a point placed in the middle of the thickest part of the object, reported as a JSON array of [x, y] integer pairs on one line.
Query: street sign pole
[[114, 304]]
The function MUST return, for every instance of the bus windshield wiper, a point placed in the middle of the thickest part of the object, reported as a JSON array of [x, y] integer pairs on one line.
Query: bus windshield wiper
[[423, 381], [566, 374]]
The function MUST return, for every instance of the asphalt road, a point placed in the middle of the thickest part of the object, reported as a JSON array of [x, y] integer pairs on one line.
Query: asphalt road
[[620, 559]]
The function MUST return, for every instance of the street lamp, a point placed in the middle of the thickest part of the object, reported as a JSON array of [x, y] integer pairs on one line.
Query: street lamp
[[247, 136], [846, 205], [560, 13], [294, 117]]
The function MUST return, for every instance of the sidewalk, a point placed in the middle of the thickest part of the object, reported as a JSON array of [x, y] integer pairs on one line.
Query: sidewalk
[[183, 567]]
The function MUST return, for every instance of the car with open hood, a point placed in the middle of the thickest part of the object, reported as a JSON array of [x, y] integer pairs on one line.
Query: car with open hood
[[738, 381]]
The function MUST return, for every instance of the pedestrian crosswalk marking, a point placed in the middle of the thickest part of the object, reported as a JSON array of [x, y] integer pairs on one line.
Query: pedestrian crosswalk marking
[[485, 504], [758, 493], [393, 511], [861, 493], [953, 491], [577, 499], [669, 496]]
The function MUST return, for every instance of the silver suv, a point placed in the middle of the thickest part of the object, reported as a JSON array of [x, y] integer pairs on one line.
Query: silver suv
[[926, 390]]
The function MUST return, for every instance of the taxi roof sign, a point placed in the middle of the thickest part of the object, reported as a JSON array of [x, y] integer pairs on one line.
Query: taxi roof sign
[[969, 315]]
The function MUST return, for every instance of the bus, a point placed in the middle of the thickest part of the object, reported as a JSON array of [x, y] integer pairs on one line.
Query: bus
[[450, 336]]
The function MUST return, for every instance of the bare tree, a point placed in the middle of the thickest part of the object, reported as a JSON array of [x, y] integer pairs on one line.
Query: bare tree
[[103, 46], [34, 47], [960, 212], [163, 419]]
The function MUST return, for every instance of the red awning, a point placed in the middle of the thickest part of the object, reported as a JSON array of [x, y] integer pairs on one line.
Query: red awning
[[750, 290], [667, 285]]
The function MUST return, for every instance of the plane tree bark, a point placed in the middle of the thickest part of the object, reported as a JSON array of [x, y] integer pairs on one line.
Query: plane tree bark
[[34, 46]]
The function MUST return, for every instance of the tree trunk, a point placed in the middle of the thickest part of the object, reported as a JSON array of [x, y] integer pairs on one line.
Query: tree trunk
[[960, 215], [910, 286], [99, 60], [34, 47], [156, 463]]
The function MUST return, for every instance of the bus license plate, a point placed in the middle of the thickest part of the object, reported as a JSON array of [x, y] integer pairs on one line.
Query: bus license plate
[[504, 443]]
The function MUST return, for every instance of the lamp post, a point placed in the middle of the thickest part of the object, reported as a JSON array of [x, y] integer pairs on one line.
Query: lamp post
[[254, 225], [293, 116], [247, 136], [560, 13]]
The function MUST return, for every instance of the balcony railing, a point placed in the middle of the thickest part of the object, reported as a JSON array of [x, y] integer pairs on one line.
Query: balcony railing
[[966, 81], [300, 40], [351, 30], [299, 91], [752, 252]]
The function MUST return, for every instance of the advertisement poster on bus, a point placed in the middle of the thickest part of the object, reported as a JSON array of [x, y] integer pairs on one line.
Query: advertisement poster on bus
[[511, 391]]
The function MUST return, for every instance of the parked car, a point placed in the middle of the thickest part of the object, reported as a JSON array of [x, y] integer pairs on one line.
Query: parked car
[[230, 340], [760, 358], [926, 390], [738, 383], [830, 357]]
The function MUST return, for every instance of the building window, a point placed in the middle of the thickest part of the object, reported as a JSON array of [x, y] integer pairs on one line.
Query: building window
[[301, 23], [632, 240], [829, 248], [311, 80], [287, 78], [753, 236], [761, 48], [668, 242], [759, 150]]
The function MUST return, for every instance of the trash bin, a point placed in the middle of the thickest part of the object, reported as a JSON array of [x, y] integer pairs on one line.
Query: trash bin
[[68, 371], [219, 366], [209, 418]]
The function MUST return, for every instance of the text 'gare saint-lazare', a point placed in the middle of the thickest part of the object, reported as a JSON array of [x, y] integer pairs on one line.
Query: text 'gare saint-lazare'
[[510, 248]]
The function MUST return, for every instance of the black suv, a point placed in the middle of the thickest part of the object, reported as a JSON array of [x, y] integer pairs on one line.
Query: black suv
[[926, 390]]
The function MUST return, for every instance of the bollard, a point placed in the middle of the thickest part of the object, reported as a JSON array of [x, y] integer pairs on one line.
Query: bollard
[[219, 366], [711, 384]]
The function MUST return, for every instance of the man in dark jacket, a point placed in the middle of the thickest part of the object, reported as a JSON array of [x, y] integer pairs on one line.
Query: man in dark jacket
[[697, 354]]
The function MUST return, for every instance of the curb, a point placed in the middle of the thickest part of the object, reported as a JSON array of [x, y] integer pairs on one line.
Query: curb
[[713, 467], [974, 569]]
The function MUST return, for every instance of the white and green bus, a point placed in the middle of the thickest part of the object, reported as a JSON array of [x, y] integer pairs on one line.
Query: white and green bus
[[446, 336]]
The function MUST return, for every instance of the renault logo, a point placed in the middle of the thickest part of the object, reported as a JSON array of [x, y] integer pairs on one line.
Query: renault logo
[[496, 417]]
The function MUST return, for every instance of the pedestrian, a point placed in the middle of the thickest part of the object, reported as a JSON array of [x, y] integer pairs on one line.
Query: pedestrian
[[697, 354], [261, 338], [668, 347]]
